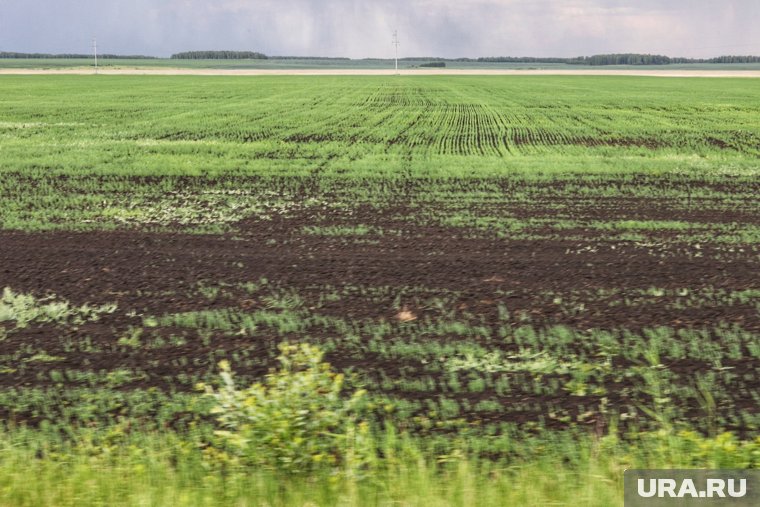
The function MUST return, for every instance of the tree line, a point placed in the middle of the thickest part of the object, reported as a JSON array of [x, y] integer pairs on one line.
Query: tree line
[[48, 56], [219, 55], [619, 59], [607, 59], [328, 58]]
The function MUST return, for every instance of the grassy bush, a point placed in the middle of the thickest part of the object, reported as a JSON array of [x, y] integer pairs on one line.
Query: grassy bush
[[297, 418]]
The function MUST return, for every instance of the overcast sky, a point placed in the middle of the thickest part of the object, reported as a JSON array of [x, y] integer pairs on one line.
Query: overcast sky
[[363, 28]]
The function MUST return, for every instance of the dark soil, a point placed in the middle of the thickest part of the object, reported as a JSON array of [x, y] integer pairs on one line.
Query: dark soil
[[157, 274]]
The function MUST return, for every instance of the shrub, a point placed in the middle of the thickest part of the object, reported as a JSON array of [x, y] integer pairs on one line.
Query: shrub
[[297, 418]]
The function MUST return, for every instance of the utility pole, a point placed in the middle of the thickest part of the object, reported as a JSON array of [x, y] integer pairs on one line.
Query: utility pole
[[396, 43], [95, 52]]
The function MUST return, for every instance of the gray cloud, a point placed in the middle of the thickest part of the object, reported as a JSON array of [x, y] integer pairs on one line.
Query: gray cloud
[[362, 28]]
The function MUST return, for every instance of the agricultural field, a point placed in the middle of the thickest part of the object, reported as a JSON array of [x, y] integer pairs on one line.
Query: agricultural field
[[504, 264]]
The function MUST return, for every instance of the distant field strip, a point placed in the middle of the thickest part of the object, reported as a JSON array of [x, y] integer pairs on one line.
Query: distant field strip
[[232, 68]]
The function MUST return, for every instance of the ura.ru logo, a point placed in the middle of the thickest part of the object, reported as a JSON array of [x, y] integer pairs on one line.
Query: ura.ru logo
[[713, 488]]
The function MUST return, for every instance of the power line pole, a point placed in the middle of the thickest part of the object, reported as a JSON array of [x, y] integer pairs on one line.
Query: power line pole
[[95, 52], [396, 43]]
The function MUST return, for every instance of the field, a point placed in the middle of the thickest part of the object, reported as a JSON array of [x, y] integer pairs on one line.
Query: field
[[531, 271]]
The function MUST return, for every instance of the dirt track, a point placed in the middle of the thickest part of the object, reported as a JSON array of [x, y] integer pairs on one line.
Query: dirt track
[[389, 72]]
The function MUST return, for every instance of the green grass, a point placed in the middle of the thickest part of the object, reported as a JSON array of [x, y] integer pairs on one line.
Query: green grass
[[122, 467], [299, 438], [358, 126], [160, 470]]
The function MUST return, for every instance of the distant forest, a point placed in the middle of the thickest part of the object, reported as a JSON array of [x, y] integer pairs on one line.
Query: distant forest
[[5, 54], [612, 59], [219, 55], [620, 59], [309, 58]]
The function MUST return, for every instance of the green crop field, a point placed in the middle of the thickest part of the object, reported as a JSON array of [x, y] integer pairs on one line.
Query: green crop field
[[529, 283]]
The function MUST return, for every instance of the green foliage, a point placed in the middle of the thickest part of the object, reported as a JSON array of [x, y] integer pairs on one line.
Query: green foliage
[[116, 465], [298, 417], [23, 309], [354, 230]]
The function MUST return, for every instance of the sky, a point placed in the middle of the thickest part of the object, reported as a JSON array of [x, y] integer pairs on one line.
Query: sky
[[363, 28]]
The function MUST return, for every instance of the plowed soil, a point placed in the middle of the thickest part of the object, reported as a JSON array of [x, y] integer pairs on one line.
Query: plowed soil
[[150, 273], [114, 266]]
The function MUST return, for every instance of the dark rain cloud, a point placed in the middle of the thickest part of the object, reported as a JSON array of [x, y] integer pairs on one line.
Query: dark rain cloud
[[362, 28]]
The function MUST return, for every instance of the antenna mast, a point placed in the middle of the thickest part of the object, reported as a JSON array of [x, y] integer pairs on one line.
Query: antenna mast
[[396, 43], [95, 52]]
